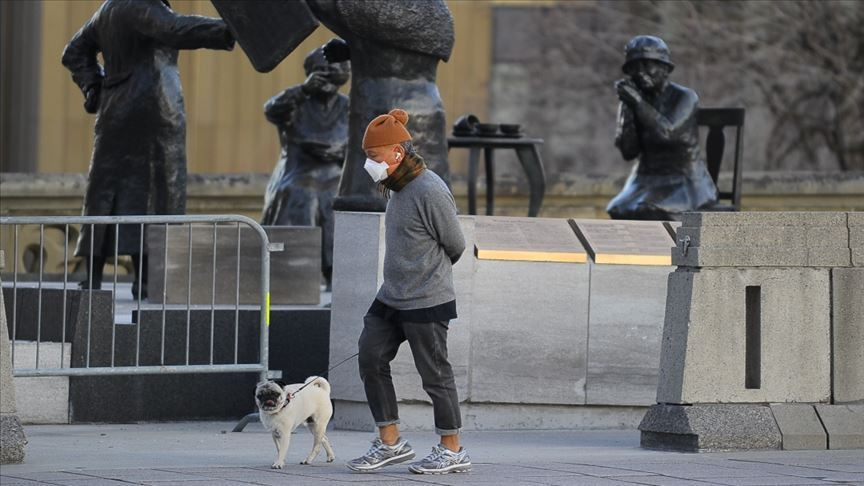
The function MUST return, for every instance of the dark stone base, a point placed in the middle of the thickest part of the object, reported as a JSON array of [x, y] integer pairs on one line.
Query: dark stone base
[[709, 427], [27, 326], [12, 440]]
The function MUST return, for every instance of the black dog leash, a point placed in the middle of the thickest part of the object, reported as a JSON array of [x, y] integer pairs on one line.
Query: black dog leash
[[291, 395]]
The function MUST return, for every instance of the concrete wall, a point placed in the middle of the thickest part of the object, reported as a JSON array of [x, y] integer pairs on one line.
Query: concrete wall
[[704, 337]]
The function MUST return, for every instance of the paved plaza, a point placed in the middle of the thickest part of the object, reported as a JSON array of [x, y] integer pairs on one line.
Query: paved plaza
[[208, 453]]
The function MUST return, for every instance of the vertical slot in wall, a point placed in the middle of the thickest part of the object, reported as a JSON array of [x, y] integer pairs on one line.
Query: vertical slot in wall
[[753, 338]]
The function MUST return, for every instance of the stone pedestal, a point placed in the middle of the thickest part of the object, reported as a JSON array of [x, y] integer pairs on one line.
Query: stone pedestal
[[709, 427], [708, 355], [295, 272], [12, 438], [762, 308]]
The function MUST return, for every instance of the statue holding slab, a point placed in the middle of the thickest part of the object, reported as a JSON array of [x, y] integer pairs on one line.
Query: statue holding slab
[[312, 120], [394, 48], [139, 154], [657, 124]]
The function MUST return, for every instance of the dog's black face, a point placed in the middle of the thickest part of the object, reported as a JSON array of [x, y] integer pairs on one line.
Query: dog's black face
[[270, 397]]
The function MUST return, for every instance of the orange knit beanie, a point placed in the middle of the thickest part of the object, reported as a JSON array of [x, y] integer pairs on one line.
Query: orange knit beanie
[[387, 129]]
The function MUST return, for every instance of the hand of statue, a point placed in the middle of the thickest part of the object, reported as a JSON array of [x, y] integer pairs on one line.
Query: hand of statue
[[337, 50], [627, 116], [627, 92], [229, 39], [91, 99], [314, 82]]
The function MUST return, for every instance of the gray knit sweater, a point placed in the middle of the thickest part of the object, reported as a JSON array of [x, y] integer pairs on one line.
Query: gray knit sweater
[[423, 240]]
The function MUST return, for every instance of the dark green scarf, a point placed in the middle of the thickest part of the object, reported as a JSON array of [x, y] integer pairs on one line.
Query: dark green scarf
[[407, 171]]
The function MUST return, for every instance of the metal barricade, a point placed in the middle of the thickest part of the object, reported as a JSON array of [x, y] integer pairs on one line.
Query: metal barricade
[[12, 225]]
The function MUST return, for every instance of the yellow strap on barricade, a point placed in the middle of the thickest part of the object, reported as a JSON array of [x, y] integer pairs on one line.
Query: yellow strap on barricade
[[267, 309]]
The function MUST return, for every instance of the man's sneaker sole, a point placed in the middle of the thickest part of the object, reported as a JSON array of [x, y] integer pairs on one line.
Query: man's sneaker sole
[[393, 460], [455, 468]]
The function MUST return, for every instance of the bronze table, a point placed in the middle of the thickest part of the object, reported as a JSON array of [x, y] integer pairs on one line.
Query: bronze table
[[529, 157]]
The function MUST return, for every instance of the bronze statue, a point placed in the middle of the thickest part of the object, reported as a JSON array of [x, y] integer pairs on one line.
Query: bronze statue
[[394, 48], [312, 120], [139, 153], [657, 124]]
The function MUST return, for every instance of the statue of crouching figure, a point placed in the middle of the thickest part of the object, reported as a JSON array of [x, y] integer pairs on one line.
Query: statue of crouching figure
[[657, 124]]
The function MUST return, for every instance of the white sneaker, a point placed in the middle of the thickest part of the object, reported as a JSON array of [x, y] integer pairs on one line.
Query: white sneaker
[[380, 455], [442, 461]]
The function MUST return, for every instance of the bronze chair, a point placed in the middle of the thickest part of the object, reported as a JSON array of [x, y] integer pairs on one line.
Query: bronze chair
[[716, 119]]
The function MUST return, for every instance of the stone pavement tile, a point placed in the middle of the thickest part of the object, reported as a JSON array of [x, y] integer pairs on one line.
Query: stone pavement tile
[[487, 478], [487, 470], [226, 473], [92, 482], [332, 472], [294, 480], [394, 482], [239, 475], [657, 480], [845, 477], [47, 476], [768, 469], [799, 458], [200, 482], [12, 481], [689, 471], [591, 469], [207, 472], [774, 480], [576, 481], [850, 468], [458, 479], [136, 475]]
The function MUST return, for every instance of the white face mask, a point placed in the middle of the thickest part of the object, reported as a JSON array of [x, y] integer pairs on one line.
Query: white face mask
[[377, 170]]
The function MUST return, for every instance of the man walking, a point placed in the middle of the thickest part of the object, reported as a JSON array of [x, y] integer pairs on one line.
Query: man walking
[[416, 301]]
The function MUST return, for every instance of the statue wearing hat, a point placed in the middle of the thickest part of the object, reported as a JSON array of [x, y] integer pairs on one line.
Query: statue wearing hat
[[394, 48], [657, 125], [312, 120]]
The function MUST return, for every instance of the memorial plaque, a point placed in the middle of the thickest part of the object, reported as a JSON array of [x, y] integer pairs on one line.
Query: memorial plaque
[[527, 239], [625, 242]]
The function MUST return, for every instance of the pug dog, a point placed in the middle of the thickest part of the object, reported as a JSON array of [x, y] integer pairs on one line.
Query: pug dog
[[283, 408]]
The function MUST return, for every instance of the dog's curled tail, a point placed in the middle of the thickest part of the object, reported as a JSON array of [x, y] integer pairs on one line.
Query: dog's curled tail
[[319, 382]]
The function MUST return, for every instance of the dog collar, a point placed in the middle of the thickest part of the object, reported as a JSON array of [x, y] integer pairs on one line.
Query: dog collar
[[290, 397]]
